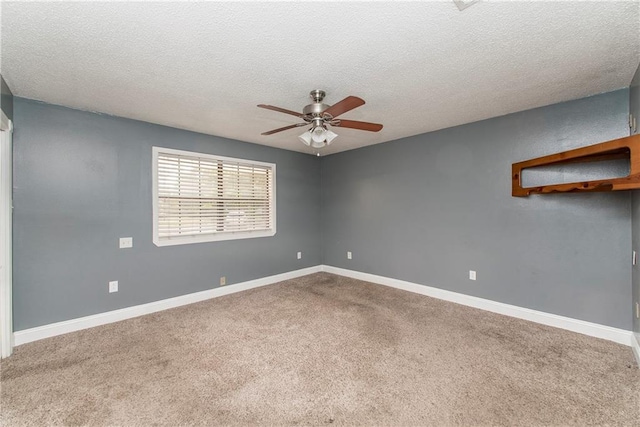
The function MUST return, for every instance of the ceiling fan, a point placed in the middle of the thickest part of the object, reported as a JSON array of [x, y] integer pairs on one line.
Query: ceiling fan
[[319, 115]]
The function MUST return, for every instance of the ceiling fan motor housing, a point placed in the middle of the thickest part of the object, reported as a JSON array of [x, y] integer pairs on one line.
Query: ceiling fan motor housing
[[314, 110]]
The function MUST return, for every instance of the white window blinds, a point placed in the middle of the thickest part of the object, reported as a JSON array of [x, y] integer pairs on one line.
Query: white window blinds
[[200, 197]]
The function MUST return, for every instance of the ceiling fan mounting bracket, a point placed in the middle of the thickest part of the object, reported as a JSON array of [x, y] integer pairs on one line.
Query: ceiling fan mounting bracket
[[317, 95]]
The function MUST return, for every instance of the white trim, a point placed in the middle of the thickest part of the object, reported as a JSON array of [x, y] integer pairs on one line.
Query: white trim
[[5, 123], [635, 346], [204, 238], [59, 328], [208, 156], [186, 240], [6, 221], [619, 336]]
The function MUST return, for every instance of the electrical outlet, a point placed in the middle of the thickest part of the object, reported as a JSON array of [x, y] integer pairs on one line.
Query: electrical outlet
[[637, 310], [634, 258], [299, 255], [223, 281], [472, 275], [126, 242], [113, 286], [349, 255]]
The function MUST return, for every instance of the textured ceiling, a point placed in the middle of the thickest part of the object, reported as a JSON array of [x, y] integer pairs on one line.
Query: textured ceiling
[[419, 66]]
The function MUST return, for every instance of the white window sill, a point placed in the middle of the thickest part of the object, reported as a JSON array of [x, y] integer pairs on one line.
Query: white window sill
[[186, 240]]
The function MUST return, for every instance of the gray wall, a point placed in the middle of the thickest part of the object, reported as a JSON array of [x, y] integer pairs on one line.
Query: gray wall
[[634, 108], [425, 209], [82, 180], [6, 99], [429, 208]]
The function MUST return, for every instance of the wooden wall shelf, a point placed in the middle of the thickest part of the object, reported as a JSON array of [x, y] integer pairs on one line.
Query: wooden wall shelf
[[623, 148]]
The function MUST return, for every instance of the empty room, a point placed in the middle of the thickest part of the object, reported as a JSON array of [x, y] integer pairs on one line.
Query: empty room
[[320, 213]]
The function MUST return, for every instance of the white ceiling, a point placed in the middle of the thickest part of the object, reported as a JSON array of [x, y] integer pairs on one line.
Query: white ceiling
[[419, 66]]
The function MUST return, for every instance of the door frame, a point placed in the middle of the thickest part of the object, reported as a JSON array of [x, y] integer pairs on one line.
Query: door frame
[[6, 224]]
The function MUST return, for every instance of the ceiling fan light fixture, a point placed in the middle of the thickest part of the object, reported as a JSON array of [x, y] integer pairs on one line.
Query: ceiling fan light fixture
[[318, 137], [318, 134], [319, 144], [330, 136], [305, 138]]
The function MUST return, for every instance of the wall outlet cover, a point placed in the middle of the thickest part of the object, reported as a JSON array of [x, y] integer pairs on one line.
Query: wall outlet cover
[[126, 242], [113, 286], [223, 280], [299, 255], [472, 275], [349, 256]]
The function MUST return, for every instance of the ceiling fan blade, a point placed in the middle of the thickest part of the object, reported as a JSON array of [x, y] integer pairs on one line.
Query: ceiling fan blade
[[281, 110], [347, 104], [354, 124], [271, 132]]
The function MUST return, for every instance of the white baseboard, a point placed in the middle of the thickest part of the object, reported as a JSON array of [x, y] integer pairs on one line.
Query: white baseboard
[[635, 345], [619, 336], [59, 328]]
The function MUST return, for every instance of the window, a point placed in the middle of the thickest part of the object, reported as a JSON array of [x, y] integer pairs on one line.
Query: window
[[203, 198]]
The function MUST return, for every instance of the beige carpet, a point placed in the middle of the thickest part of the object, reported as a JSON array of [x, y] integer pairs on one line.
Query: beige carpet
[[321, 349]]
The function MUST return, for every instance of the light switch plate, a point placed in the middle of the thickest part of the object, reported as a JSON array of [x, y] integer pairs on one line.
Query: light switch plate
[[126, 242]]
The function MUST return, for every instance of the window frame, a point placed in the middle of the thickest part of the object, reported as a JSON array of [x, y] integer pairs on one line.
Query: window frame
[[210, 237]]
